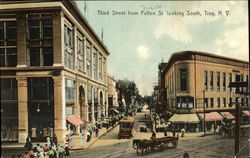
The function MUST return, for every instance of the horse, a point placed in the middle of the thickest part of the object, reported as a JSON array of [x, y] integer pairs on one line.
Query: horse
[[145, 145]]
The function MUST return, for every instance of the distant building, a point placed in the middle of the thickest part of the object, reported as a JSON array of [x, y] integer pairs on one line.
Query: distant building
[[162, 91], [53, 65], [112, 94], [194, 79]]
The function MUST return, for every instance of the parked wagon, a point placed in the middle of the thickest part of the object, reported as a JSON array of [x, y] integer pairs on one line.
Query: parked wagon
[[150, 145]]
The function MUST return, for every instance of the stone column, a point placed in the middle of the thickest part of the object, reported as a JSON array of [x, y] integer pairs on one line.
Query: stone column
[[21, 40], [58, 38], [93, 106], [59, 108], [22, 109]]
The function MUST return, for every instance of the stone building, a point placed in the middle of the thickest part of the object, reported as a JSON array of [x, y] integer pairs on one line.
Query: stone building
[[198, 81], [53, 65]]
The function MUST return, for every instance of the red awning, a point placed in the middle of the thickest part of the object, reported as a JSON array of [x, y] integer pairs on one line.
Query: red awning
[[212, 116], [74, 120], [227, 115], [247, 113]]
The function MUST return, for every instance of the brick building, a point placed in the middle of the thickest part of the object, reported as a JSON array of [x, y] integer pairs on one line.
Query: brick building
[[197, 79], [53, 65]]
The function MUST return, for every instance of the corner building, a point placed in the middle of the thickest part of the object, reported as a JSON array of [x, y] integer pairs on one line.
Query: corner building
[[53, 65], [194, 79]]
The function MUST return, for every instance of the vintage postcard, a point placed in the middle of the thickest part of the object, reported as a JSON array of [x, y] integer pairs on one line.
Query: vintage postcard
[[119, 79]]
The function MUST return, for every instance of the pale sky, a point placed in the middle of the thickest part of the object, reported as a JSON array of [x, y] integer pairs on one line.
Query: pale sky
[[138, 43]]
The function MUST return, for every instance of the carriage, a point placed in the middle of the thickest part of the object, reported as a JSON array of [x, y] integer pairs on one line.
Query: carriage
[[126, 127], [146, 145]]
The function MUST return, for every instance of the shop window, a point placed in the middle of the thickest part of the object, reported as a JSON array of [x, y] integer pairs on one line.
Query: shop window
[[8, 38], [69, 90], [8, 89], [183, 79], [40, 89]]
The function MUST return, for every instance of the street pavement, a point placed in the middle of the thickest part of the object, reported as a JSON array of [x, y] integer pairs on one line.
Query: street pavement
[[108, 146]]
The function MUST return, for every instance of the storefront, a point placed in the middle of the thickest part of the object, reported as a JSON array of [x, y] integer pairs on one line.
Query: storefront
[[9, 110], [189, 122], [213, 119]]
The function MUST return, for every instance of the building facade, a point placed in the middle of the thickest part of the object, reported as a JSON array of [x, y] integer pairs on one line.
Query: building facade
[[198, 83], [191, 77], [53, 65]]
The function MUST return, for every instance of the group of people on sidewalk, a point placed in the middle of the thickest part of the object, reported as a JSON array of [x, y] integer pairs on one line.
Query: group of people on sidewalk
[[50, 150]]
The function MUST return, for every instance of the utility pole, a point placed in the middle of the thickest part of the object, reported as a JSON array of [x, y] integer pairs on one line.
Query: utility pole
[[204, 112]]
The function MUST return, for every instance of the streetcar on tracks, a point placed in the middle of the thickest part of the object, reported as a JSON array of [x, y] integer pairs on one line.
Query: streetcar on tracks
[[126, 127]]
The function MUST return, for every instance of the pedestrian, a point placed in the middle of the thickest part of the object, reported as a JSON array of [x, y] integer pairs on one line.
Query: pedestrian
[[153, 135], [55, 139], [185, 155], [28, 145], [96, 132], [88, 136], [48, 141], [66, 150], [61, 151], [68, 141]]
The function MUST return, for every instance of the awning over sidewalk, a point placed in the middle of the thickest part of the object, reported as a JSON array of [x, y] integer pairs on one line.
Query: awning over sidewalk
[[227, 115], [184, 118], [74, 120], [212, 116], [246, 113]]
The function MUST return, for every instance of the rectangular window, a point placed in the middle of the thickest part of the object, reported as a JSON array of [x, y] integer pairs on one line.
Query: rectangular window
[[218, 81], [88, 61], [95, 64], [230, 102], [40, 88], [68, 49], [211, 80], [190, 102], [79, 53], [47, 56], [211, 102], [183, 79], [224, 102], [8, 89], [100, 66], [205, 80], [69, 90], [218, 102], [237, 78], [47, 27], [40, 39], [34, 56], [8, 38], [224, 81], [206, 102]]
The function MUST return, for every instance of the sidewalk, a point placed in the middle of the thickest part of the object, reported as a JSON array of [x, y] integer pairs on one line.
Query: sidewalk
[[102, 132], [20, 146]]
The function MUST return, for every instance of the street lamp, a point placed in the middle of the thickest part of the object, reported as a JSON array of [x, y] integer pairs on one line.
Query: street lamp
[[204, 112]]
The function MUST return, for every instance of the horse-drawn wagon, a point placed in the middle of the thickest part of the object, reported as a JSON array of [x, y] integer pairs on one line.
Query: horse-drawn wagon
[[151, 144]]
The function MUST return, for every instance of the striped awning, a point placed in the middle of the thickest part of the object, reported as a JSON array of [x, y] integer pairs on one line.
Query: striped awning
[[74, 120], [182, 118], [227, 115], [212, 116]]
